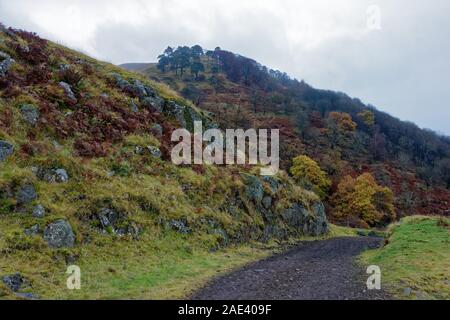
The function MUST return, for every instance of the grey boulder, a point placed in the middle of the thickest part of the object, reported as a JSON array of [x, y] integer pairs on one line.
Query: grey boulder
[[6, 149], [59, 234], [26, 194]]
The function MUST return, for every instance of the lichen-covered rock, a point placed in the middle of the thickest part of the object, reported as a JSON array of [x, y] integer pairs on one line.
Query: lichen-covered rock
[[26, 194], [38, 211], [254, 189], [6, 149], [5, 63], [30, 113], [33, 230], [15, 282], [68, 90], [59, 234]]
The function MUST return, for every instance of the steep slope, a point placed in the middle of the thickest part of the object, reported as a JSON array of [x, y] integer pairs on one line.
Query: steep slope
[[86, 179], [342, 134]]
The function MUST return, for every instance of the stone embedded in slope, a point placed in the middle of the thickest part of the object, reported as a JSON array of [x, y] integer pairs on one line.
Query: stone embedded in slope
[[33, 230], [154, 151], [59, 234], [30, 113], [176, 111], [5, 63], [15, 282], [153, 103], [253, 189], [180, 226], [68, 90], [58, 175], [6, 149], [38, 211], [26, 194]]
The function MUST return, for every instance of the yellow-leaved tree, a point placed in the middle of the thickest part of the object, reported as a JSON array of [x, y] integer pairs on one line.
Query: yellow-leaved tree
[[309, 175], [364, 199]]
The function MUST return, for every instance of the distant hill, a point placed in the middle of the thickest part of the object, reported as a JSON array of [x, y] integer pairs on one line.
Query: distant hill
[[135, 66], [344, 135]]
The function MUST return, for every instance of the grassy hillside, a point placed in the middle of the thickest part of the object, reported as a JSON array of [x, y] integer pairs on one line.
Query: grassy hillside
[[86, 179], [415, 263]]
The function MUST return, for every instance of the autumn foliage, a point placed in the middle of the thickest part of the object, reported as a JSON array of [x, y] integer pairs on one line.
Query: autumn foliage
[[364, 200], [308, 174]]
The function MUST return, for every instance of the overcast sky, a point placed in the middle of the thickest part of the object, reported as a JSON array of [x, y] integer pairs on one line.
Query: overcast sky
[[393, 54]]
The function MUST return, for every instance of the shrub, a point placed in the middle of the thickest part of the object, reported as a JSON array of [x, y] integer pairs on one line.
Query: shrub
[[310, 176], [365, 199]]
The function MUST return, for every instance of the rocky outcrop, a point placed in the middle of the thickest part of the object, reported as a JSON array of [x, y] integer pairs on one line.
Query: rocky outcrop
[[59, 234], [6, 149], [309, 222], [294, 217]]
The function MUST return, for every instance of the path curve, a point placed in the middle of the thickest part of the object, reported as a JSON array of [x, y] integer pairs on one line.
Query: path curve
[[324, 270]]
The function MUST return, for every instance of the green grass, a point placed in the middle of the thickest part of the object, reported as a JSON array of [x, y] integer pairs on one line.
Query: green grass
[[417, 256], [158, 266]]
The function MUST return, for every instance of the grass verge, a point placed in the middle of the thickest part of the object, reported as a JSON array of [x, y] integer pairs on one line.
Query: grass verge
[[415, 264]]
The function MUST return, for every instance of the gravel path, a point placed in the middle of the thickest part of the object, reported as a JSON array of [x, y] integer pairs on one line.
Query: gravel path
[[312, 270]]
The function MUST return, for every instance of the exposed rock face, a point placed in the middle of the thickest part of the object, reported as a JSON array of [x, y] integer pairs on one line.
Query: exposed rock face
[[15, 282], [26, 194], [59, 234], [154, 103], [298, 217], [5, 63], [30, 113], [6, 149], [68, 89]]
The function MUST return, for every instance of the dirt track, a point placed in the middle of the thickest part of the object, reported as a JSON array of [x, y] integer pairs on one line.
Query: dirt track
[[312, 270]]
